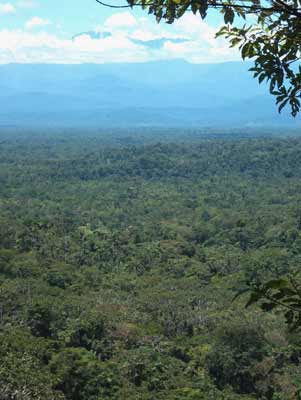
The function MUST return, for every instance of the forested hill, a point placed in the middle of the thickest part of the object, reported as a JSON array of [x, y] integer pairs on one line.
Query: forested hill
[[119, 262], [167, 93]]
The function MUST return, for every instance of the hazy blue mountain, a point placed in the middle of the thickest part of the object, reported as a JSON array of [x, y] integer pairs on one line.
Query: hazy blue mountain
[[158, 43], [167, 93], [93, 35]]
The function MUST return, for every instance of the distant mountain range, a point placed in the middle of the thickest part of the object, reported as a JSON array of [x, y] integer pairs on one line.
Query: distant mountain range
[[167, 93]]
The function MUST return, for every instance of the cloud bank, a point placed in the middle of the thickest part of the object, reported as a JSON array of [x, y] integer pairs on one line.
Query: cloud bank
[[121, 38]]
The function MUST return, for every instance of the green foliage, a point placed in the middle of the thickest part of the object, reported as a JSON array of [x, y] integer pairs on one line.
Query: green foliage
[[119, 260], [81, 376], [23, 373], [274, 44], [237, 350], [283, 293]]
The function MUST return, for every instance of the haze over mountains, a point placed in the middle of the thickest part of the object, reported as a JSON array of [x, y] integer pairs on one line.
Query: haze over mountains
[[167, 93]]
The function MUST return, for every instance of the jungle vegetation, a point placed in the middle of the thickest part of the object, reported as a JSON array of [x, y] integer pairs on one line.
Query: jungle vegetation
[[121, 257]]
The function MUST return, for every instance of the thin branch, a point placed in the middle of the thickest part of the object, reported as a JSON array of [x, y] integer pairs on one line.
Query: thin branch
[[279, 303], [251, 9], [289, 9], [111, 6]]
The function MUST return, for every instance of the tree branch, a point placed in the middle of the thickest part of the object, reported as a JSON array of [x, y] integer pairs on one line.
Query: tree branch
[[251, 8], [111, 6]]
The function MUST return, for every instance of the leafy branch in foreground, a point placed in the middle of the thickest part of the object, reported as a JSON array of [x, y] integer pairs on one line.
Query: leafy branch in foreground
[[283, 293], [272, 38], [274, 44]]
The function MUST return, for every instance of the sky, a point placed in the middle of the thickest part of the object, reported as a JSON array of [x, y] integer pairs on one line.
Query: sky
[[82, 31]]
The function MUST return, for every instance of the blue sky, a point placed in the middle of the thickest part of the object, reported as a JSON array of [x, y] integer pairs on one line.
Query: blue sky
[[81, 31]]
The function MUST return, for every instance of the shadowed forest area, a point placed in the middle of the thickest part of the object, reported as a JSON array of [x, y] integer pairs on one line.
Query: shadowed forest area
[[120, 258]]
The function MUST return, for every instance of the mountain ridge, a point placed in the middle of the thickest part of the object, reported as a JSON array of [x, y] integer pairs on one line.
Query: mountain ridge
[[167, 93]]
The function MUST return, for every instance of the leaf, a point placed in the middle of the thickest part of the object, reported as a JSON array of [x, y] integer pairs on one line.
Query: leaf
[[277, 284], [240, 293], [255, 296], [261, 77], [229, 15], [245, 50], [283, 293], [235, 42], [289, 316], [268, 306], [282, 105]]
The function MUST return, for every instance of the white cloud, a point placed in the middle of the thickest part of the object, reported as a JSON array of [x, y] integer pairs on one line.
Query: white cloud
[[36, 22], [125, 44], [202, 45], [7, 8], [121, 20], [25, 47], [199, 52]]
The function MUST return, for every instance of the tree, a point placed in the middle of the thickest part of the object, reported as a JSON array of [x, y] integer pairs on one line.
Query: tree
[[237, 349], [272, 39]]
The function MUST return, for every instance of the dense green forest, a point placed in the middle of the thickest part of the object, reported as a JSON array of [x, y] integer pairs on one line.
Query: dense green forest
[[120, 257]]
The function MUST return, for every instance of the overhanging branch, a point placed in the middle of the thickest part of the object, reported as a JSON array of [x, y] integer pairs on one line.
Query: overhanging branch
[[250, 9]]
